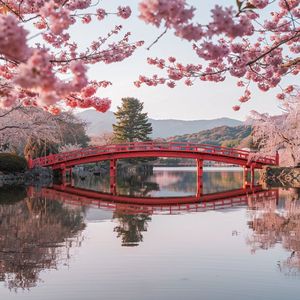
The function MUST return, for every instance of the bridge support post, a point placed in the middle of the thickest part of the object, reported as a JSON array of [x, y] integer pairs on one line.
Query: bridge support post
[[72, 181], [249, 182], [245, 177], [252, 176], [199, 178], [113, 176], [64, 175]]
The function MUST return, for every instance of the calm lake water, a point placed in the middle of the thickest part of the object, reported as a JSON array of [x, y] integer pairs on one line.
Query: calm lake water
[[56, 243]]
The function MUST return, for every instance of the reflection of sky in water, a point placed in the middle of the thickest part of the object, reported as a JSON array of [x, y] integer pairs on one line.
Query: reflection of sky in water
[[169, 182], [210, 255]]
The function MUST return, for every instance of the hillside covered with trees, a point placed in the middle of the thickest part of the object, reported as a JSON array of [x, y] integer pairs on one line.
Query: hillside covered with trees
[[238, 136]]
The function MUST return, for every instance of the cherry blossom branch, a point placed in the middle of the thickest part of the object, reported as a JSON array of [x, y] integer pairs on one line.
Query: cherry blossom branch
[[11, 9], [297, 35], [157, 39], [13, 127], [65, 2], [10, 111]]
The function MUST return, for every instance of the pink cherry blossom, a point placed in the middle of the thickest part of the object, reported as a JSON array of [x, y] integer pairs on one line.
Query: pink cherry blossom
[[236, 107], [101, 13], [101, 105], [124, 12], [13, 39], [259, 3], [88, 91], [280, 96], [58, 17], [86, 19]]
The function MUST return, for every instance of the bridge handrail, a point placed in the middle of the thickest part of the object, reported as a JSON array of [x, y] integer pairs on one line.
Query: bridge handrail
[[148, 146]]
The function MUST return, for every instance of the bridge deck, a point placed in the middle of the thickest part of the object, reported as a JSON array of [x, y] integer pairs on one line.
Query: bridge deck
[[155, 149]]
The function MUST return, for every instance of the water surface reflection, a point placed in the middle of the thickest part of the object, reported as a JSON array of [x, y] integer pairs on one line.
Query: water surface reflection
[[80, 242], [275, 223], [172, 182], [35, 234]]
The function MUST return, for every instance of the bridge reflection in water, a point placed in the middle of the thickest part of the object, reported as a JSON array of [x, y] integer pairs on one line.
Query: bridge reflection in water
[[156, 205], [137, 198]]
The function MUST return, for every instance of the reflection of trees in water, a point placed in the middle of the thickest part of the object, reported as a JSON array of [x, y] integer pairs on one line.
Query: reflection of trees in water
[[214, 182], [133, 185], [130, 227], [272, 225], [10, 195], [92, 182], [136, 185], [176, 181], [35, 234]]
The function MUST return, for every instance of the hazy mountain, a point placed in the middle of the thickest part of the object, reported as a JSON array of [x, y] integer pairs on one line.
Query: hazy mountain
[[99, 123]]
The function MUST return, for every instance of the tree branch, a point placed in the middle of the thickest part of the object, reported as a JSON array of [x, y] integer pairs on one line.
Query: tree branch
[[291, 63], [12, 10], [157, 39], [11, 110], [13, 127], [297, 35]]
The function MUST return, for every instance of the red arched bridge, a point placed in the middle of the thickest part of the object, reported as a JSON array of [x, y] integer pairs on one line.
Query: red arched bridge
[[200, 152]]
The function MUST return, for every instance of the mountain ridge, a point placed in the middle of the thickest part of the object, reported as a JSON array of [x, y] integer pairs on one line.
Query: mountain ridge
[[98, 124]]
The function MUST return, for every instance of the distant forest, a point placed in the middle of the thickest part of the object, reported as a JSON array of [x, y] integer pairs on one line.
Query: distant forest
[[226, 136]]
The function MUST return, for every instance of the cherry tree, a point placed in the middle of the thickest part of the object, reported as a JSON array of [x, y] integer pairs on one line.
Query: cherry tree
[[106, 138], [256, 42], [280, 132], [69, 147], [35, 73], [21, 124]]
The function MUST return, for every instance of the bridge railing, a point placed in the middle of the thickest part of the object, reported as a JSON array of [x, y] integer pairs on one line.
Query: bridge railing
[[152, 146]]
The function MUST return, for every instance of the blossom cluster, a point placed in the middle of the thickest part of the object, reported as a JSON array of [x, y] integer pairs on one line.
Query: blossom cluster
[[235, 42], [175, 14], [35, 74], [13, 39]]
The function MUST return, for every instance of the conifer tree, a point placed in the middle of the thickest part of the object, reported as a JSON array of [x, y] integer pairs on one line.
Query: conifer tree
[[132, 124]]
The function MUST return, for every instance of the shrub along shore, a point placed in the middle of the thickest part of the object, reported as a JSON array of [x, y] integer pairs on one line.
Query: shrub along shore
[[14, 171]]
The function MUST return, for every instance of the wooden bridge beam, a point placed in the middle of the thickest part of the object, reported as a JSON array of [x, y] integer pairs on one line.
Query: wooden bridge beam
[[199, 178], [66, 174], [245, 177], [252, 175], [249, 182], [113, 176]]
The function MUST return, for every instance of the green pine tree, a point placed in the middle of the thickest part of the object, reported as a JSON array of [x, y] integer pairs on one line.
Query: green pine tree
[[132, 124]]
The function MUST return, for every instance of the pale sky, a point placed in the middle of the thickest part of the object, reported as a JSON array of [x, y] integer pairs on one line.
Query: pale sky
[[201, 101]]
